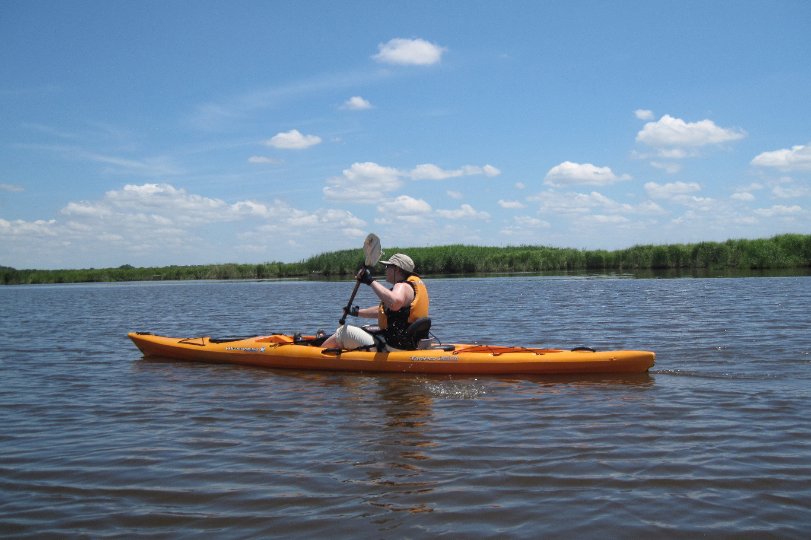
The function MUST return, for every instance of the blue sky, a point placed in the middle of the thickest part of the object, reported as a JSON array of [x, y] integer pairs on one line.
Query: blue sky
[[156, 133]]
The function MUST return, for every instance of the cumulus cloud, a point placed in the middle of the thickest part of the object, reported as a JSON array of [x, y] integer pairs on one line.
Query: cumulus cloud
[[429, 171], [176, 204], [416, 52], [369, 182], [667, 166], [293, 140], [670, 190], [779, 210], [263, 160], [681, 193], [152, 220], [609, 219], [744, 196], [463, 212], [790, 191], [796, 158], [86, 209], [674, 133], [404, 205], [30, 229], [644, 114], [528, 221], [511, 204], [570, 173], [489, 170], [523, 224], [365, 182], [356, 103], [582, 204]]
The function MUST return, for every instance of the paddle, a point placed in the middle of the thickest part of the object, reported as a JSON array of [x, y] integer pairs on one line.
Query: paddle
[[372, 252]]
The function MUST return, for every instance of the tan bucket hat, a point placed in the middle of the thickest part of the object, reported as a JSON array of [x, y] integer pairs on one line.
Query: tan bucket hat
[[401, 261]]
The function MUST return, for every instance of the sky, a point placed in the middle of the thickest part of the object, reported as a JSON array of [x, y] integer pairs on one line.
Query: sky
[[155, 133]]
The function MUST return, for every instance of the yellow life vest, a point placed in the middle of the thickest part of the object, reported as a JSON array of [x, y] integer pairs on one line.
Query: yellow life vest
[[417, 309]]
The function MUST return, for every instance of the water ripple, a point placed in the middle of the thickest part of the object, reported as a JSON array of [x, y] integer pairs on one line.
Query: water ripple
[[713, 441]]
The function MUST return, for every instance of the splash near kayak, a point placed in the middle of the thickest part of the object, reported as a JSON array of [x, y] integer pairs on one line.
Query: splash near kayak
[[305, 353]]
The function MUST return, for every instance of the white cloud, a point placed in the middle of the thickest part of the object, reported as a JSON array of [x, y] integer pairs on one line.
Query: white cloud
[[672, 153], [790, 191], [744, 196], [176, 204], [369, 182], [356, 103], [528, 221], [797, 158], [523, 225], [668, 167], [463, 212], [86, 209], [30, 229], [363, 182], [140, 223], [680, 193], [429, 171], [582, 204], [417, 52], [569, 173], [511, 204], [11, 188], [252, 208], [293, 140], [404, 205], [489, 170], [263, 160], [644, 114], [670, 132], [670, 190], [609, 219], [454, 194], [779, 211]]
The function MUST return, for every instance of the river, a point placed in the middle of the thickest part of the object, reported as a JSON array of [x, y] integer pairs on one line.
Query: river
[[96, 441]]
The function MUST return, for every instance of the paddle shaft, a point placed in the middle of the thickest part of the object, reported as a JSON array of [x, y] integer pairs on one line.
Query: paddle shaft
[[351, 298]]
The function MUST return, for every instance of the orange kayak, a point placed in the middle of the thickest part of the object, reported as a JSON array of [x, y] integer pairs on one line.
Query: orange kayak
[[284, 351]]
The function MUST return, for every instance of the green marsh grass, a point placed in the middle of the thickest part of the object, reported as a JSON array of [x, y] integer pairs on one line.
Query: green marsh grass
[[787, 251]]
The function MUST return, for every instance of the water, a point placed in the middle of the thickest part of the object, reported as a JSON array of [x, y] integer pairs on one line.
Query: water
[[96, 441]]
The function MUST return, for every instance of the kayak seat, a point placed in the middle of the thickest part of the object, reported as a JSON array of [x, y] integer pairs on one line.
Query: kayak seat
[[419, 332], [416, 332]]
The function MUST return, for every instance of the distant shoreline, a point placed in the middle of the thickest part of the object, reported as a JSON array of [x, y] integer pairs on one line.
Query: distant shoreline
[[786, 251]]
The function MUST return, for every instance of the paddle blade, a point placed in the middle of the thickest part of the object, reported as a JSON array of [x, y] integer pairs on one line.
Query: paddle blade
[[372, 249]]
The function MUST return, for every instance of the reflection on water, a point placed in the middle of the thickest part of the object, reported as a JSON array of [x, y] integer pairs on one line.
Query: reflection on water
[[401, 444], [97, 441]]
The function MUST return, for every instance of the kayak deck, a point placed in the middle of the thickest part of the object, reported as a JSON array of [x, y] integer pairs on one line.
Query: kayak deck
[[283, 351]]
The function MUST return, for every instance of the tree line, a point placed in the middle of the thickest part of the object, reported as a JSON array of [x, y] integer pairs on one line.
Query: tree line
[[779, 252]]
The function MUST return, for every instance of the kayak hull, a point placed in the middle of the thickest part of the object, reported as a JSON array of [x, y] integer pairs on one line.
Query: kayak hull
[[281, 351]]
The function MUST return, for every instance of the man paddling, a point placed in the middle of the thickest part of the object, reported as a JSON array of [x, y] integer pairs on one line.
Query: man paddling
[[399, 306]]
